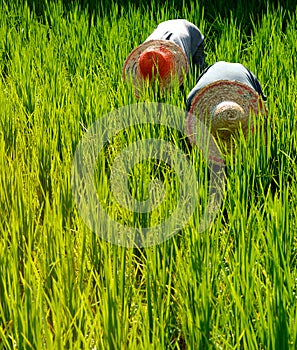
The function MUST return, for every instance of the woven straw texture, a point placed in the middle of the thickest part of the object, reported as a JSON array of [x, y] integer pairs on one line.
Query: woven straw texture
[[180, 64], [206, 100]]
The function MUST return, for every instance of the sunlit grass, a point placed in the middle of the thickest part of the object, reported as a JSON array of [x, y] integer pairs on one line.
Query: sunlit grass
[[63, 287]]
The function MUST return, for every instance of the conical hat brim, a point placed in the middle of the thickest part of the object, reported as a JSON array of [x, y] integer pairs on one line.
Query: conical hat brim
[[206, 99], [131, 69]]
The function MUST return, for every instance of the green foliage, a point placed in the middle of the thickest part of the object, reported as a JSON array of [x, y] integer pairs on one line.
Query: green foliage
[[62, 287]]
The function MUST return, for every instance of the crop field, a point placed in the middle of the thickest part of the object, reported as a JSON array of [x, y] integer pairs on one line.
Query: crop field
[[70, 280]]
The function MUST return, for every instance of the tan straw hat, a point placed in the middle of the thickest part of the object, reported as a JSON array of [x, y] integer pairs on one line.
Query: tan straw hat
[[224, 107], [162, 58]]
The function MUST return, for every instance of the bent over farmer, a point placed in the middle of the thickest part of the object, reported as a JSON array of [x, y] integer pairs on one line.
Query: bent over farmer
[[168, 52], [223, 97]]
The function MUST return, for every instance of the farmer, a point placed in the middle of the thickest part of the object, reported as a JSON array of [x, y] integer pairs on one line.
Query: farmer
[[169, 51], [222, 99]]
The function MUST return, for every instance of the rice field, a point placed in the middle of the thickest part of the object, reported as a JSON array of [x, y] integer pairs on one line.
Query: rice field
[[62, 286]]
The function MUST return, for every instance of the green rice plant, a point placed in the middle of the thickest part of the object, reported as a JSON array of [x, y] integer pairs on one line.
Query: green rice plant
[[62, 286]]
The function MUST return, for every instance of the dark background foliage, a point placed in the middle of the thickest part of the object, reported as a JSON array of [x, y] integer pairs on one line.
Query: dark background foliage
[[243, 10]]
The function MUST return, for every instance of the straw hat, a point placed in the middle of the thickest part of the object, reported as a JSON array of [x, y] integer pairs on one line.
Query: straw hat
[[224, 106], [162, 58]]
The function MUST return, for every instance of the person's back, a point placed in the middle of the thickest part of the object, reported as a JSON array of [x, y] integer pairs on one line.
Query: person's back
[[184, 34], [223, 97], [226, 71], [168, 53]]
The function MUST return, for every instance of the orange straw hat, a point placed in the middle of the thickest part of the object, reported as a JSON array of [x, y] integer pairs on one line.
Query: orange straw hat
[[224, 106], [152, 61], [153, 58]]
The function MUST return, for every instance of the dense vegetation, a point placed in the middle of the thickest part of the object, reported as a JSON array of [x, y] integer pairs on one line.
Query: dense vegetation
[[62, 286]]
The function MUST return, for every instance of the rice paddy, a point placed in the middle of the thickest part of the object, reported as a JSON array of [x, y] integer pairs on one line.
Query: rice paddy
[[62, 286]]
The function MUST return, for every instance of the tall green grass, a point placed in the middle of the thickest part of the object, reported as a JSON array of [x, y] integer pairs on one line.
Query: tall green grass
[[63, 287]]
